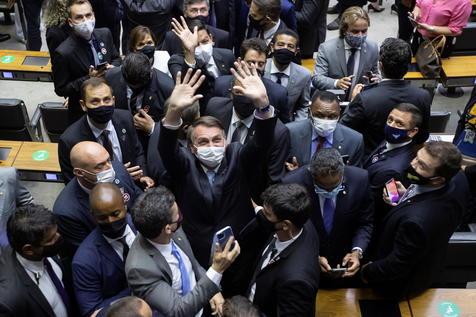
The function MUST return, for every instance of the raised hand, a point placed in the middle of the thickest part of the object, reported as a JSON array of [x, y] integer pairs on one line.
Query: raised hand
[[189, 39], [248, 83]]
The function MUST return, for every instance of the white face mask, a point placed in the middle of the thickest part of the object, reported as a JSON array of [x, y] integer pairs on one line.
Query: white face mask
[[106, 176], [210, 156], [84, 29], [324, 127], [204, 52]]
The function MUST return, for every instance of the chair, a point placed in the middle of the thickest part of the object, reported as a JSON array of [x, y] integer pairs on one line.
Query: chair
[[55, 119], [438, 121], [15, 124], [465, 43]]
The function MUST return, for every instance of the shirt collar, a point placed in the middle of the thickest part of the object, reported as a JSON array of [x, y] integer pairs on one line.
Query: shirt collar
[[246, 121], [281, 245], [421, 189], [393, 146], [127, 231], [206, 169], [32, 266], [348, 48], [96, 131], [87, 190], [286, 71], [163, 248], [267, 35], [329, 138]]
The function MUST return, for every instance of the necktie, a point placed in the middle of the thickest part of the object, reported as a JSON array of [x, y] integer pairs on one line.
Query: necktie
[[94, 52], [57, 283], [328, 214], [320, 142], [183, 270], [271, 249], [351, 62], [411, 191], [133, 103], [125, 247], [278, 77], [106, 142], [239, 132], [211, 176]]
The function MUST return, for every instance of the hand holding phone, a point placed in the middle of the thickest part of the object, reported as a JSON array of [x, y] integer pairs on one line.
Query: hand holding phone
[[392, 191], [101, 67]]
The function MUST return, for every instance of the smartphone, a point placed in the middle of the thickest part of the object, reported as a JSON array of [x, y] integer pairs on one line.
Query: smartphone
[[412, 19], [345, 158], [392, 191], [101, 66], [337, 272], [222, 236]]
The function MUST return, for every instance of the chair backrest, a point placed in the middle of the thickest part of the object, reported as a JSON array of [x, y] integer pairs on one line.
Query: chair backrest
[[465, 44], [55, 119], [438, 121], [14, 120]]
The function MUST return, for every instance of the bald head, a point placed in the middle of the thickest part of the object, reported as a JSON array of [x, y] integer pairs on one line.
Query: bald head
[[83, 153], [107, 203]]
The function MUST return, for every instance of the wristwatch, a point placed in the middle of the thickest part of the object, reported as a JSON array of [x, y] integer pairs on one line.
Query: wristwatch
[[264, 109], [359, 252]]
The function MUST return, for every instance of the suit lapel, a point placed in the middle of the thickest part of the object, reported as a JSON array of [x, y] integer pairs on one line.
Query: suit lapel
[[121, 136], [106, 249], [219, 62], [338, 139], [291, 79], [158, 257], [305, 142], [363, 54], [81, 53], [205, 186], [341, 56]]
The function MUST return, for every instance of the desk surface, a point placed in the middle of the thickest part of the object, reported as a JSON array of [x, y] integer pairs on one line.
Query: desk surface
[[15, 147], [38, 156], [345, 302], [430, 302], [309, 63], [18, 57], [459, 66]]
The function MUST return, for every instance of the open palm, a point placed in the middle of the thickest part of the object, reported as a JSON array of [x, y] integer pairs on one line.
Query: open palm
[[189, 39], [183, 94], [249, 84]]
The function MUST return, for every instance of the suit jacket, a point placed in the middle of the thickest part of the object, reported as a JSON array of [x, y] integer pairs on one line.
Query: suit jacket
[[331, 63], [80, 131], [98, 273], [72, 208], [12, 195], [173, 44], [299, 84], [311, 25], [369, 110], [207, 208], [71, 64], [277, 94], [288, 285], [412, 245], [150, 278], [225, 15], [353, 219], [19, 294], [345, 140]]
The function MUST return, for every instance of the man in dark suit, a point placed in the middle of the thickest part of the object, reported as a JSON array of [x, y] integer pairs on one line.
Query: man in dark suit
[[264, 19], [286, 274], [98, 265], [253, 51], [311, 18], [199, 53], [77, 58], [211, 179], [32, 281], [392, 156], [321, 131], [368, 112], [161, 267], [196, 10], [342, 212], [112, 128], [415, 233], [91, 165]]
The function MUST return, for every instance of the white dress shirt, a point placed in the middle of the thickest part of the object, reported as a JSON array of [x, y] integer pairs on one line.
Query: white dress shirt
[[347, 50], [268, 35], [117, 246], [393, 146], [233, 125], [212, 67], [44, 282], [116, 147], [286, 72]]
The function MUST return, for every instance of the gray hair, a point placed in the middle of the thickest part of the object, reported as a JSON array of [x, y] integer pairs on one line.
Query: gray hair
[[326, 162], [186, 3]]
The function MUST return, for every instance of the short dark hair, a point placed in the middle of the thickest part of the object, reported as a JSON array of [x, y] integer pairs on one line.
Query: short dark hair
[[326, 162], [288, 202], [28, 225], [138, 34], [270, 8], [208, 121], [128, 306], [395, 56], [325, 96], [253, 43], [239, 306], [136, 69], [448, 155], [187, 3], [92, 82], [152, 211], [76, 2], [417, 117], [285, 32], [199, 24]]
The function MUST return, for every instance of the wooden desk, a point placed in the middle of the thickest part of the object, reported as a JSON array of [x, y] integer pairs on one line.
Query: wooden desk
[[427, 304], [14, 66], [459, 71], [309, 63], [345, 302], [15, 147], [46, 163]]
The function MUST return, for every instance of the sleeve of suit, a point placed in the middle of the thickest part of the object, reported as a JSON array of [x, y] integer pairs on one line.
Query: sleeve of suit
[[302, 111], [278, 154], [320, 80], [72, 230], [115, 57], [64, 161], [365, 225], [353, 116], [358, 155], [88, 289], [64, 86], [295, 298], [408, 245], [290, 18], [23, 196], [307, 15], [139, 151], [169, 151]]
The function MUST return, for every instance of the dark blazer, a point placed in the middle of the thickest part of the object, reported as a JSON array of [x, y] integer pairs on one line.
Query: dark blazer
[[277, 94], [225, 14], [222, 109], [412, 245], [207, 208], [80, 131], [345, 140], [288, 286], [173, 44], [56, 35], [98, 273], [311, 25], [353, 220], [71, 64], [72, 208], [369, 110], [19, 294]]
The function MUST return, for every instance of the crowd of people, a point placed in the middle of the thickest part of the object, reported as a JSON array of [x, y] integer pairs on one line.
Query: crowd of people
[[208, 121]]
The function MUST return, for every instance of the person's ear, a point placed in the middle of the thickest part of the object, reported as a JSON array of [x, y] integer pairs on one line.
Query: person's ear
[[438, 181], [297, 51], [27, 250], [413, 132], [83, 106], [286, 225], [70, 22], [114, 98], [78, 172]]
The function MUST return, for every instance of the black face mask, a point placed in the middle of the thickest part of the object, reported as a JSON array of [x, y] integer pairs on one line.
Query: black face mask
[[256, 24], [148, 51], [243, 106], [201, 18], [283, 56], [178, 222], [114, 229], [265, 224], [52, 250], [415, 178], [101, 114]]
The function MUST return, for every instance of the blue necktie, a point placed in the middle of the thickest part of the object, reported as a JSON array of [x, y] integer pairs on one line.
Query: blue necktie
[[211, 176], [328, 214], [183, 270], [58, 285]]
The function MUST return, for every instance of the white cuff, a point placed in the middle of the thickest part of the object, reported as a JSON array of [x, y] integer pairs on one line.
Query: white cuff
[[172, 126], [357, 248], [260, 115], [258, 208], [214, 276], [335, 83], [152, 130], [190, 65]]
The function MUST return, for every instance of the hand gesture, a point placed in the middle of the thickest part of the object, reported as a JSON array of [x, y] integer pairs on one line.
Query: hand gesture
[[222, 259], [351, 260], [344, 82], [147, 182], [248, 83], [216, 303], [134, 171], [143, 122], [324, 264], [189, 39], [401, 191], [357, 89], [293, 165]]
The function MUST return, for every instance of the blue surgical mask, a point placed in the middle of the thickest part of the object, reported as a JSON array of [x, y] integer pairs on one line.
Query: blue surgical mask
[[355, 41], [395, 135], [328, 194]]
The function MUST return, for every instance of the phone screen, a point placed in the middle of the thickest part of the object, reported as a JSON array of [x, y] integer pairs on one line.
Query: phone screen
[[392, 191]]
